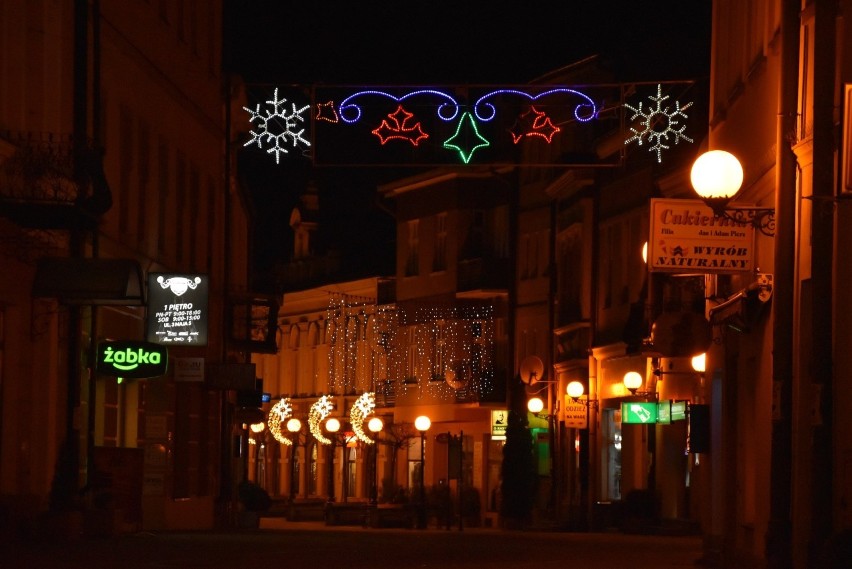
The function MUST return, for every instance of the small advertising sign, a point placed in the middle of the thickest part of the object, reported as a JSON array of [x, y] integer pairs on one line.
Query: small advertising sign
[[664, 413], [177, 309], [639, 412], [576, 416], [499, 419], [132, 359], [678, 410], [189, 369], [686, 237]]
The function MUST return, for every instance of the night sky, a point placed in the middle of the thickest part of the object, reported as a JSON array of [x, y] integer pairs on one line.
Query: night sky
[[438, 42]]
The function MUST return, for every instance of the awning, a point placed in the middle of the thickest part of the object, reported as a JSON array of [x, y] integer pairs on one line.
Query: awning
[[89, 281]]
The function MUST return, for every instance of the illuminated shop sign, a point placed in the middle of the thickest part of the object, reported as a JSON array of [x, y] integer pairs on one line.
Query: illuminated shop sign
[[678, 410], [132, 359], [638, 412], [687, 237], [177, 309], [499, 420]]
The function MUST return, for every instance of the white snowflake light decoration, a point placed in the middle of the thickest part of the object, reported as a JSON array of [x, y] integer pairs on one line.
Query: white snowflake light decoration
[[277, 126], [657, 124]]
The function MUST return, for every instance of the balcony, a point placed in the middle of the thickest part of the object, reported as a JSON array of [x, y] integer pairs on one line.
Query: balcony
[[38, 187]]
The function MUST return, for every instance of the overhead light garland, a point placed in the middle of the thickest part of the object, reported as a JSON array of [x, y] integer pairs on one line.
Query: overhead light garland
[[418, 114], [400, 127], [466, 140], [658, 123], [533, 123], [277, 126]]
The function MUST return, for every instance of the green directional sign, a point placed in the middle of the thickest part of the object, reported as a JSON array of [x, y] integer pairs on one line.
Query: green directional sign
[[664, 412], [639, 412], [678, 410]]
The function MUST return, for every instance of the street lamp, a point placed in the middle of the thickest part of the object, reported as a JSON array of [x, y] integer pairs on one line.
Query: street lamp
[[294, 426], [716, 177], [375, 425], [535, 405], [332, 426], [422, 424], [633, 380], [576, 390]]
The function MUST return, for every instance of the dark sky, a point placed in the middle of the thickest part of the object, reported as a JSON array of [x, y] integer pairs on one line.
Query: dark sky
[[436, 42]]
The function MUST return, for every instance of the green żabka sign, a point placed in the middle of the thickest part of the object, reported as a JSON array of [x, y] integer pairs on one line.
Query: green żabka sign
[[132, 359]]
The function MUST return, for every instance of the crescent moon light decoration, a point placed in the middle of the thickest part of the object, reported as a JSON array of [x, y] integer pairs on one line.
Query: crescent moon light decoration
[[319, 411], [360, 409], [278, 415]]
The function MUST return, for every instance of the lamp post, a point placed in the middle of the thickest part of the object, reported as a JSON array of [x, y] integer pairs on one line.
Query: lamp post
[[294, 426], [422, 424], [332, 426], [633, 380], [575, 391], [375, 425]]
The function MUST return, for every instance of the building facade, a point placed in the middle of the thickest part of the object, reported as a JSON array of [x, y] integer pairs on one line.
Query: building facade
[[115, 166]]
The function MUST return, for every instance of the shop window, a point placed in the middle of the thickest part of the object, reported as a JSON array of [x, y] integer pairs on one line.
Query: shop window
[[611, 456]]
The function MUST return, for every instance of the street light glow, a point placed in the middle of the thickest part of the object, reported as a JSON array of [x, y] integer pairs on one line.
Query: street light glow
[[716, 175], [422, 423], [535, 405], [332, 425], [575, 390]]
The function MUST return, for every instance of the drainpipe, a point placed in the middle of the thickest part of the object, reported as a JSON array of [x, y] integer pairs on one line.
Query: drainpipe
[[822, 257], [779, 530]]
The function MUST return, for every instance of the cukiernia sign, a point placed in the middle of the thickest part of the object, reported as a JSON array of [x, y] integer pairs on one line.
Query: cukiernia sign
[[132, 359]]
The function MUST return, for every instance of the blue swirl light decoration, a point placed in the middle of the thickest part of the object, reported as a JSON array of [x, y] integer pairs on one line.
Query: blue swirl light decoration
[[351, 113], [583, 112]]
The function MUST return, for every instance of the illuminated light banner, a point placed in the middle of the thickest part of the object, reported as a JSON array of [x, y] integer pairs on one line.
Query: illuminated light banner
[[592, 125], [474, 125], [131, 359], [177, 309], [686, 237]]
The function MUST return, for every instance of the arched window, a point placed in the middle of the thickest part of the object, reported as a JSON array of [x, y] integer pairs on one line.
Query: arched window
[[312, 470], [294, 337]]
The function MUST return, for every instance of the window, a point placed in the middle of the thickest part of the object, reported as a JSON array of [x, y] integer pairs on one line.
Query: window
[[196, 207], [162, 195], [412, 262], [350, 474], [143, 190], [180, 218], [611, 455], [415, 465], [439, 261], [125, 129], [501, 233], [312, 470]]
